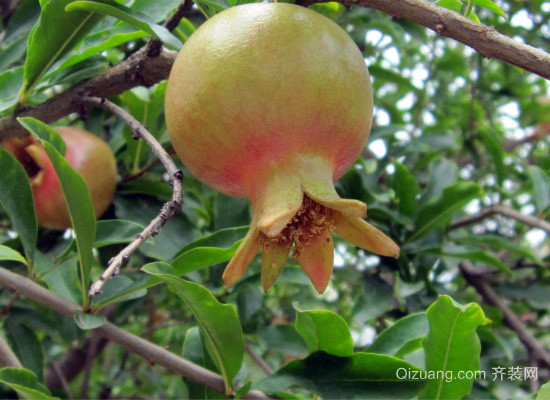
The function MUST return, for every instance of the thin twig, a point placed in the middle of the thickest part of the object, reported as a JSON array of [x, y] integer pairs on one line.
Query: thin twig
[[533, 346], [135, 344], [507, 212], [257, 359], [59, 375], [144, 169], [168, 209], [7, 356], [88, 365]]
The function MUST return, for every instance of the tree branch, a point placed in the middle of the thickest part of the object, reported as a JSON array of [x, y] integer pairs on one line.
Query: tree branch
[[140, 69], [535, 349], [145, 68], [169, 208], [484, 39], [149, 351], [507, 212], [7, 356]]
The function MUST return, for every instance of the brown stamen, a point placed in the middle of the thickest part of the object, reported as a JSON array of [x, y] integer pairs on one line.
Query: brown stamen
[[311, 220]]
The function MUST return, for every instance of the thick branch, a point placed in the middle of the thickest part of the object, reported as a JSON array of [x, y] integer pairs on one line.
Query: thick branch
[[507, 212], [484, 39], [535, 349], [140, 69], [151, 352]]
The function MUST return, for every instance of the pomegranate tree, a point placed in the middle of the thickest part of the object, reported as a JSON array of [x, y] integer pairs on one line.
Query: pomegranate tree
[[89, 156], [273, 102]]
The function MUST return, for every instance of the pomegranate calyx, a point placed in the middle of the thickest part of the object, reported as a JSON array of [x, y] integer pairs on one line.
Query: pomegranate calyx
[[297, 213]]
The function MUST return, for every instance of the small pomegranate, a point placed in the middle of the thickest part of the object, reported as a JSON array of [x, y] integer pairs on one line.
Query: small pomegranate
[[90, 156], [273, 102]]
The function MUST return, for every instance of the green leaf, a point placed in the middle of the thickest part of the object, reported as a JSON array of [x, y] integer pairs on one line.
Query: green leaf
[[490, 5], [325, 331], [496, 150], [122, 288], [10, 83], [100, 41], [7, 253], [361, 376], [375, 300], [219, 322], [499, 243], [438, 211], [61, 278], [211, 7], [25, 345], [137, 19], [544, 392], [443, 173], [283, 338], [541, 187], [194, 350], [16, 199], [77, 196], [116, 231], [55, 33], [392, 339], [45, 132], [210, 250], [455, 5], [88, 321], [452, 345], [472, 254], [406, 190], [25, 383]]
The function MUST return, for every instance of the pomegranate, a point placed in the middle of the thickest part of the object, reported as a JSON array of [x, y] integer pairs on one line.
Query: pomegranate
[[90, 156], [273, 102]]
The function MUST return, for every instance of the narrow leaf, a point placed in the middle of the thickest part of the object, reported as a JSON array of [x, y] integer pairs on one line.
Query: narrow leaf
[[116, 231], [472, 254], [218, 322], [25, 383], [55, 33], [16, 199], [122, 288], [7, 253], [541, 187], [210, 250], [25, 345], [392, 339], [406, 190], [455, 5], [77, 196], [452, 345], [194, 350], [499, 243], [544, 392], [361, 376], [439, 211], [45, 132], [88, 321], [325, 331], [134, 18], [10, 83], [116, 36], [490, 5]]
